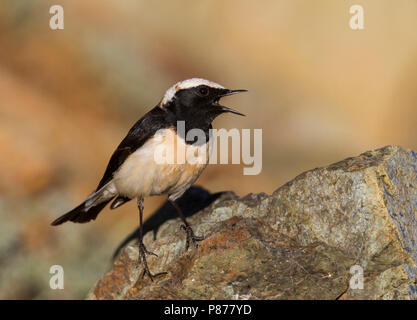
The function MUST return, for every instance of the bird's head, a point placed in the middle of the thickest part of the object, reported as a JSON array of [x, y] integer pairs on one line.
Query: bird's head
[[198, 97]]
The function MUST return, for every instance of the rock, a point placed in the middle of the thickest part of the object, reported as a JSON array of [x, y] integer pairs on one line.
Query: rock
[[298, 243]]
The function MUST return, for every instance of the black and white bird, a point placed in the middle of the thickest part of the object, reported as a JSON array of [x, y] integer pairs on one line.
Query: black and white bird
[[132, 171]]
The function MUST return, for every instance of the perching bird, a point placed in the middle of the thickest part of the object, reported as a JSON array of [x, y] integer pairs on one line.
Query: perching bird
[[133, 171]]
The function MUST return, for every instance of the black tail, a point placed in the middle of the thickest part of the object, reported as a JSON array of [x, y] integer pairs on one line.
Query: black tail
[[80, 214]]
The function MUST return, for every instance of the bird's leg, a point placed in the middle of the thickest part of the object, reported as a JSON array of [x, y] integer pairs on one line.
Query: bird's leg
[[187, 228], [142, 249]]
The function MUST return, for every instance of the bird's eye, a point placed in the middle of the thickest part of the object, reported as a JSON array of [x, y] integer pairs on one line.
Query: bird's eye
[[203, 91]]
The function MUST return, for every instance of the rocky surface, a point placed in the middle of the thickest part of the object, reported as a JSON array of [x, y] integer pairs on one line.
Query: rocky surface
[[298, 243]]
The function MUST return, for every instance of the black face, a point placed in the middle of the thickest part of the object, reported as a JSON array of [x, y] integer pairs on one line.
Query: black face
[[204, 100], [199, 106]]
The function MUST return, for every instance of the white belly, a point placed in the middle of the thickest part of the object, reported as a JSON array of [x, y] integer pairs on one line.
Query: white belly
[[141, 175]]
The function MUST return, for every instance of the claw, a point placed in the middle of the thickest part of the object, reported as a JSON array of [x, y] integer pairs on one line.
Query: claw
[[190, 236], [142, 257], [148, 252]]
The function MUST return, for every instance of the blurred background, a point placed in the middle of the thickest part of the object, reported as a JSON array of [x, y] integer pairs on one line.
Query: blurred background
[[319, 90]]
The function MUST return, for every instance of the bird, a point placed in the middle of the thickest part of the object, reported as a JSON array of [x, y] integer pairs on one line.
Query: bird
[[133, 172]]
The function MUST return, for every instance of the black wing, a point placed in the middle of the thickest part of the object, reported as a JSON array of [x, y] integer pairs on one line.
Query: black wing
[[141, 131]]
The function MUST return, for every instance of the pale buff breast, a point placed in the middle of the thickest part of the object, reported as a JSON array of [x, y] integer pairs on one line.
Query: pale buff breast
[[145, 172]]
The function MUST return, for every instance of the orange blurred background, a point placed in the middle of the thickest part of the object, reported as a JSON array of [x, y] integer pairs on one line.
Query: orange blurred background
[[319, 90]]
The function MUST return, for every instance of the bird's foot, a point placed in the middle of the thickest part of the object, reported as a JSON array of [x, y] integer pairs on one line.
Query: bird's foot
[[190, 236], [142, 258]]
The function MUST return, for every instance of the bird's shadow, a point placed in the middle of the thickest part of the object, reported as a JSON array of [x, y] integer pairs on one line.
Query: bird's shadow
[[191, 202]]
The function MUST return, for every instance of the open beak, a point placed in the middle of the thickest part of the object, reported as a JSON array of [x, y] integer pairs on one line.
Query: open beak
[[225, 93]]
